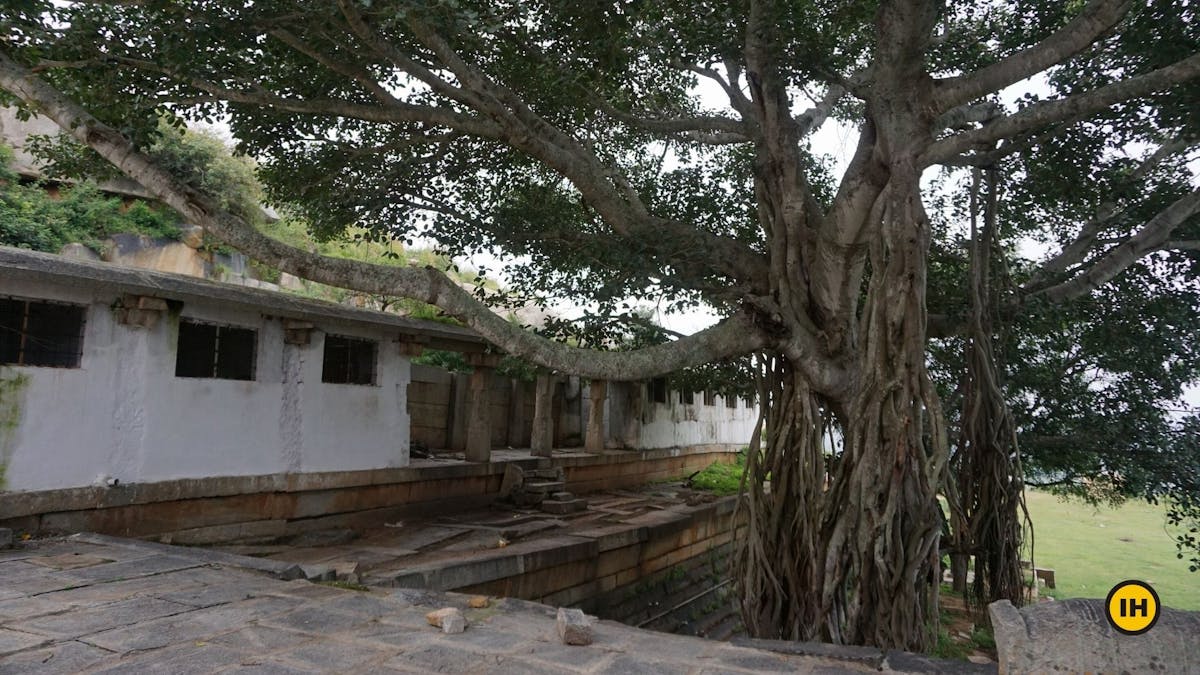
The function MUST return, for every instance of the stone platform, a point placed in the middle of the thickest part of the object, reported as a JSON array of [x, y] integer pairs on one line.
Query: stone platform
[[93, 604]]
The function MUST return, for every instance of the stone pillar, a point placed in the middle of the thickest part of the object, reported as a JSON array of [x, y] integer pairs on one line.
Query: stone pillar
[[516, 414], [479, 407], [457, 413], [594, 441], [542, 438]]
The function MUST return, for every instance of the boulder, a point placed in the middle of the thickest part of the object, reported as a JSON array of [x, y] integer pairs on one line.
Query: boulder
[[77, 251], [1074, 636]]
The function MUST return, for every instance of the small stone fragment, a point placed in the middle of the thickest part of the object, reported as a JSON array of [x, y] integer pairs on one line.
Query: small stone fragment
[[574, 628], [478, 602], [347, 571], [318, 573], [438, 617], [454, 623], [291, 573]]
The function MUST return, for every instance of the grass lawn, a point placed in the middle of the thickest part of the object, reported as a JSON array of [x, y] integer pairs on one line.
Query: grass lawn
[[1092, 548]]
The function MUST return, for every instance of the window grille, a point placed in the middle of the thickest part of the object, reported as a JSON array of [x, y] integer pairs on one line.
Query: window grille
[[349, 360], [36, 333], [213, 351], [658, 390]]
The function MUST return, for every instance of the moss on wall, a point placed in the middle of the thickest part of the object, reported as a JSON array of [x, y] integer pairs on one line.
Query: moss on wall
[[12, 390]]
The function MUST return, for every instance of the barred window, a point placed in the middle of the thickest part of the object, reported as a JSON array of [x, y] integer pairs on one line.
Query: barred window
[[348, 360], [221, 352], [35, 333], [658, 390]]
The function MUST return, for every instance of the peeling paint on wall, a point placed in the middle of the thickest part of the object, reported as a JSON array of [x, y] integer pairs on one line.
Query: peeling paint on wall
[[12, 398]]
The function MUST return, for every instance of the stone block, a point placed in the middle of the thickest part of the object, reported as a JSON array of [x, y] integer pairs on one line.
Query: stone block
[[513, 479], [347, 570], [574, 628], [438, 617], [478, 602], [454, 623], [1074, 636]]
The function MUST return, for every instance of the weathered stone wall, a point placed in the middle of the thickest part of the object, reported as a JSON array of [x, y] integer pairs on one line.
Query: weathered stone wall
[[621, 571], [213, 510], [1074, 636]]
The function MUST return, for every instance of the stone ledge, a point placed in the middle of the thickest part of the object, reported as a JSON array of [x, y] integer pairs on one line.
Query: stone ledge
[[274, 568], [31, 503], [511, 561]]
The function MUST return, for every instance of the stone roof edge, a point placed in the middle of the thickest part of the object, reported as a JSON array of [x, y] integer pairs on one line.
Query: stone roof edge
[[21, 263]]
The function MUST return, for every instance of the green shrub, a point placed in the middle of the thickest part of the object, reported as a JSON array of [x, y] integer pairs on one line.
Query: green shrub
[[722, 479]]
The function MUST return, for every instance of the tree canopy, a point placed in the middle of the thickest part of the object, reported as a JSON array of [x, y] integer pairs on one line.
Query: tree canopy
[[577, 141]]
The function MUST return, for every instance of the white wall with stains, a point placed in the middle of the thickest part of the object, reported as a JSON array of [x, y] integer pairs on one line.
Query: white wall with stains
[[634, 420], [678, 424], [124, 415]]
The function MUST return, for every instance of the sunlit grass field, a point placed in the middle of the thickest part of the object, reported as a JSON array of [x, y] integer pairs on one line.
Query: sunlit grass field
[[1092, 548]]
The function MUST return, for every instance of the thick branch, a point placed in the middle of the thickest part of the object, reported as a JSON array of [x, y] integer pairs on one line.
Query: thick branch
[[810, 120], [1073, 107], [677, 125], [1151, 237], [1096, 19], [603, 187], [968, 114], [733, 337], [1076, 252]]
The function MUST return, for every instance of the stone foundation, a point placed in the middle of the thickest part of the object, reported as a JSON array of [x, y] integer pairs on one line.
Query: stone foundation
[[261, 508]]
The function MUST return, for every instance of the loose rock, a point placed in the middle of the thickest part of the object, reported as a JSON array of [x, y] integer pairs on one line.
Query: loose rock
[[445, 618], [454, 623], [347, 571], [478, 602], [574, 628]]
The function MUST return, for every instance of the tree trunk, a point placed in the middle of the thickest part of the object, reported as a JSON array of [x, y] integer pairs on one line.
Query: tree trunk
[[779, 563], [882, 520], [850, 554], [986, 493]]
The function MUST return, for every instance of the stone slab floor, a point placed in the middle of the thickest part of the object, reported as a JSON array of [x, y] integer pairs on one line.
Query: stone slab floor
[[119, 606]]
